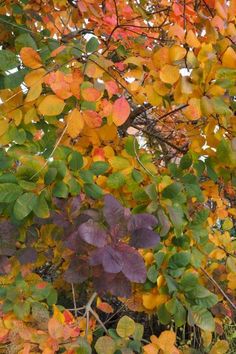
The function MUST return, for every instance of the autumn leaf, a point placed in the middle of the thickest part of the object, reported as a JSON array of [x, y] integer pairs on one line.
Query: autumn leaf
[[51, 105], [75, 123], [169, 74], [30, 58], [120, 111]]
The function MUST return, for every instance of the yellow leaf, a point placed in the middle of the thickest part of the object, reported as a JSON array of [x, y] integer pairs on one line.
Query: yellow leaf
[[206, 338], [177, 52], [192, 40], [231, 264], [35, 76], [220, 347], [169, 74], [30, 115], [34, 92], [119, 163], [166, 341], [149, 301], [30, 58], [229, 58], [125, 327], [51, 105], [161, 57], [16, 115], [161, 299], [3, 127], [193, 111], [75, 123]]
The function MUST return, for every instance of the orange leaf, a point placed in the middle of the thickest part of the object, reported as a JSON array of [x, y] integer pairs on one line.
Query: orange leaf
[[75, 123], [120, 111], [91, 94], [3, 335], [34, 77], [30, 58], [92, 119], [169, 74], [105, 307]]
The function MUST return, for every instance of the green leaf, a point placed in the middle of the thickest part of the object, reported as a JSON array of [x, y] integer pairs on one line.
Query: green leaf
[[86, 176], [24, 40], [105, 345], [82, 346], [52, 297], [129, 145], [15, 79], [180, 315], [50, 175], [139, 330], [116, 180], [179, 260], [221, 107], [137, 176], [172, 190], [41, 208], [159, 258], [61, 168], [92, 45], [21, 310], [24, 205], [177, 217], [60, 190], [152, 273], [185, 162], [9, 192], [93, 191], [125, 327], [8, 60], [74, 187], [163, 315], [99, 167], [75, 160], [26, 185], [202, 318]]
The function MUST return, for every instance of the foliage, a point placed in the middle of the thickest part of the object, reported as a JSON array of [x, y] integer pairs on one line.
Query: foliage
[[117, 173]]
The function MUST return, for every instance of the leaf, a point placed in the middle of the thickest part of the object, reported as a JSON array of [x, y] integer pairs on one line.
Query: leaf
[[21, 310], [34, 92], [92, 119], [105, 307], [92, 233], [115, 180], [144, 238], [125, 327], [75, 161], [75, 123], [60, 190], [105, 345], [169, 74], [202, 318], [93, 191], [41, 208], [220, 347], [112, 260], [133, 265], [24, 40], [8, 60], [24, 205], [30, 58], [99, 167], [27, 255], [9, 192], [92, 45], [120, 111], [4, 126], [51, 105]]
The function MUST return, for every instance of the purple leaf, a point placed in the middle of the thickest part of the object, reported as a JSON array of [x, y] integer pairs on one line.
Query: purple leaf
[[8, 236], [92, 233], [133, 265], [112, 260], [112, 210], [116, 284], [27, 255], [5, 265], [144, 220], [120, 286], [77, 272], [144, 238], [96, 257]]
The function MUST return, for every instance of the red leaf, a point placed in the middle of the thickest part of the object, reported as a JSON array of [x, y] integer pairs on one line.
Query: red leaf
[[120, 111], [105, 307]]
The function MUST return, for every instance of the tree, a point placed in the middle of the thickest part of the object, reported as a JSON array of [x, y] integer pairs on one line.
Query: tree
[[118, 156]]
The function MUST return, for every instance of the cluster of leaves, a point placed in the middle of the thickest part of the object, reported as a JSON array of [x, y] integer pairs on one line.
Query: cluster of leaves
[[84, 205]]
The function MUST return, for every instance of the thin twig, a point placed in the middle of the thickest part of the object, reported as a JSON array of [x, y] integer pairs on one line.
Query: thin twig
[[214, 282], [74, 299], [138, 159]]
